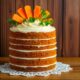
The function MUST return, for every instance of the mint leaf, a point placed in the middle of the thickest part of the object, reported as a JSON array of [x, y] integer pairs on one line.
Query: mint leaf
[[43, 12], [49, 22], [44, 15], [31, 19], [12, 22], [41, 23]]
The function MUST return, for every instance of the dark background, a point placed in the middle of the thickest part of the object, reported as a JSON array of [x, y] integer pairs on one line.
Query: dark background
[[66, 14]]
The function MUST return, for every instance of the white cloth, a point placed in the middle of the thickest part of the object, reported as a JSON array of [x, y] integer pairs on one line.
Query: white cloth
[[60, 67]]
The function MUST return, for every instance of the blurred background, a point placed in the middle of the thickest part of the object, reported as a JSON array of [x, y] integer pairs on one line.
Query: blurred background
[[66, 14]]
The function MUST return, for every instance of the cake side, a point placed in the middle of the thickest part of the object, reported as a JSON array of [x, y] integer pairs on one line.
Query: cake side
[[33, 52]]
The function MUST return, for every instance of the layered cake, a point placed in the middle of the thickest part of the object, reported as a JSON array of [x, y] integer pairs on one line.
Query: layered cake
[[32, 40]]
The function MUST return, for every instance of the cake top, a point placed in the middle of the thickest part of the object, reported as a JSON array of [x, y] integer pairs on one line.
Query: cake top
[[28, 20]]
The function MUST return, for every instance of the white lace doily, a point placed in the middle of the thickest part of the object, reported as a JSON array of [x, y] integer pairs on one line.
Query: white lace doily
[[60, 67]]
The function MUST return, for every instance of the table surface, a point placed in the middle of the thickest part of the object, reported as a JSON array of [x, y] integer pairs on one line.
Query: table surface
[[72, 75]]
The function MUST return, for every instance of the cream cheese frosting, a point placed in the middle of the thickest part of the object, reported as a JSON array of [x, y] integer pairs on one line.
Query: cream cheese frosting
[[31, 58], [19, 50], [32, 27], [32, 66], [32, 39], [32, 45]]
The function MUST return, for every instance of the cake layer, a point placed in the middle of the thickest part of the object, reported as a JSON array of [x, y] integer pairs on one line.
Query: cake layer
[[19, 50], [38, 62], [33, 35], [33, 54], [25, 47], [33, 42], [25, 58], [32, 69]]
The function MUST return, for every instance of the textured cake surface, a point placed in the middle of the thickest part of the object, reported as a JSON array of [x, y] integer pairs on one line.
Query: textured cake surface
[[32, 51]]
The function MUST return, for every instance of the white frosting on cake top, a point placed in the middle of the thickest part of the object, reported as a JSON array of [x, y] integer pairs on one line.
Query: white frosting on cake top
[[32, 27]]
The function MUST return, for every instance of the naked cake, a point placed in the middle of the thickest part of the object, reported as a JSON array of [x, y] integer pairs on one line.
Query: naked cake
[[32, 40]]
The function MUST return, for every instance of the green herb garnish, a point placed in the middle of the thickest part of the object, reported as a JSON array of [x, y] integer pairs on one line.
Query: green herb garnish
[[49, 22], [41, 23], [12, 22], [44, 14], [31, 19]]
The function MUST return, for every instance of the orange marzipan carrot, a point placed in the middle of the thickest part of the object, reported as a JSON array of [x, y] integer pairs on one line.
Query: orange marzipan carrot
[[17, 18], [28, 11], [21, 13], [37, 11]]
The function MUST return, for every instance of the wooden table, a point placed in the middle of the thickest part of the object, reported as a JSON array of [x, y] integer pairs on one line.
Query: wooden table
[[72, 75]]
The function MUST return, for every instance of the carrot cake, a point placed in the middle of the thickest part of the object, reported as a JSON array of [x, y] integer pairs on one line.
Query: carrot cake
[[32, 40]]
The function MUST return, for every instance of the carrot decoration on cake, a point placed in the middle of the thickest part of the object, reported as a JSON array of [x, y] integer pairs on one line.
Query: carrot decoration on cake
[[28, 15], [22, 13], [37, 11], [17, 18], [28, 11]]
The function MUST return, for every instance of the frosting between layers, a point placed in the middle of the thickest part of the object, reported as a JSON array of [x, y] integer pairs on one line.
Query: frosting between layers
[[31, 66], [31, 50], [31, 39], [31, 45], [31, 58], [36, 28]]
